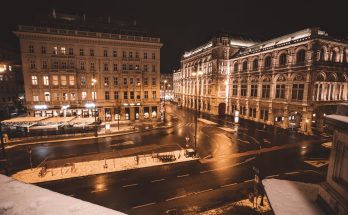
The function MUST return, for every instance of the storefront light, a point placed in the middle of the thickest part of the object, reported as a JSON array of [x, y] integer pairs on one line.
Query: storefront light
[[132, 104], [90, 105], [2, 67], [40, 107], [64, 107], [125, 104]]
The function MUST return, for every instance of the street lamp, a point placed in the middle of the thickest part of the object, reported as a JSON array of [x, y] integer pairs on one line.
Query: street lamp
[[94, 94], [196, 105]]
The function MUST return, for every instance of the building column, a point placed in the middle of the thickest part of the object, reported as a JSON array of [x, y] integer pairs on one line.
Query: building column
[[258, 110], [318, 93], [286, 117]]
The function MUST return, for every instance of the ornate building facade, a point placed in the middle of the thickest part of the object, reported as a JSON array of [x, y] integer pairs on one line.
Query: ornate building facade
[[290, 81], [81, 68], [10, 83]]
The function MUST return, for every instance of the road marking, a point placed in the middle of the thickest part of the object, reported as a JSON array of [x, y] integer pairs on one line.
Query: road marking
[[144, 205], [249, 180], [227, 185], [130, 185], [180, 176], [157, 180], [206, 171], [176, 197], [96, 191], [243, 141], [271, 176], [203, 191], [291, 173]]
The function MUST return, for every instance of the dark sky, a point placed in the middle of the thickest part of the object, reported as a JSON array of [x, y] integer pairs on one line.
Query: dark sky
[[184, 24]]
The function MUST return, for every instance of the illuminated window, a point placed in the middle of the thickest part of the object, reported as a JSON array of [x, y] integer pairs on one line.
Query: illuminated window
[[83, 80], [71, 80], [47, 96], [62, 50], [34, 80], [72, 96], [55, 80], [106, 81], [63, 80], [46, 80], [94, 95], [55, 50], [65, 97], [153, 94], [83, 95], [35, 98]]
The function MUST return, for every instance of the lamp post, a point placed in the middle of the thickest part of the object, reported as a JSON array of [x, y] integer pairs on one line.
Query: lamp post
[[2, 141], [196, 106], [94, 82], [164, 100]]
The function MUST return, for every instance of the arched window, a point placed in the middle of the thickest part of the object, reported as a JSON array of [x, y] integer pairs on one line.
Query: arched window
[[245, 66], [334, 56], [268, 62], [255, 64], [282, 59], [301, 56], [236, 67], [322, 53]]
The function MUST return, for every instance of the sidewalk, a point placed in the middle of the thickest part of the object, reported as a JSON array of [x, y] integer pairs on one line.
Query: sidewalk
[[101, 166]]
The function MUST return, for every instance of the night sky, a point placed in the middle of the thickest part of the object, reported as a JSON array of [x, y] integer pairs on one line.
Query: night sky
[[183, 25]]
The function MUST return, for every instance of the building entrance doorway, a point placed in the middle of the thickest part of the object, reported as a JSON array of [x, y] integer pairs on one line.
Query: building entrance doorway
[[222, 109]]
